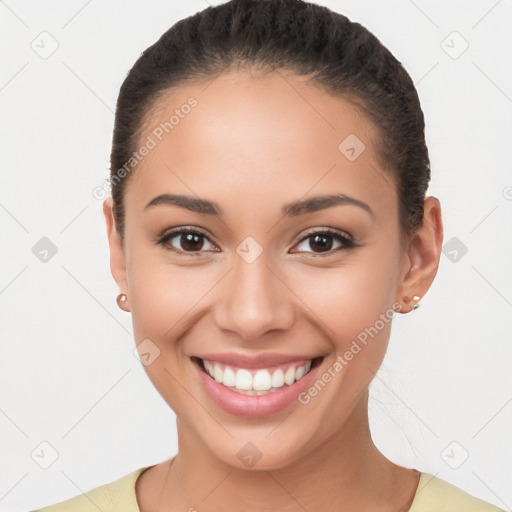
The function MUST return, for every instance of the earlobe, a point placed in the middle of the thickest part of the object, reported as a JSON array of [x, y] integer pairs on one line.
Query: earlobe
[[117, 260], [423, 254]]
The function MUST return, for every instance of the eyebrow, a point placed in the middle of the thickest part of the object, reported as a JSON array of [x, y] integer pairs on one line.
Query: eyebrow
[[294, 209]]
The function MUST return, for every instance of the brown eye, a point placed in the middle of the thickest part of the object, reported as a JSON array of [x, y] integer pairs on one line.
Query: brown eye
[[190, 241], [185, 241], [327, 242]]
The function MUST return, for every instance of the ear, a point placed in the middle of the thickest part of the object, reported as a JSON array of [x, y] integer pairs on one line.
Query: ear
[[423, 253], [117, 260]]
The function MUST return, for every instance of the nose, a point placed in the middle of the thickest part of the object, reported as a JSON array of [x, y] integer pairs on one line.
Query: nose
[[253, 300]]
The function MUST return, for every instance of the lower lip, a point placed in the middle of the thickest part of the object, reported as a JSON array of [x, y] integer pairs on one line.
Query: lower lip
[[253, 406]]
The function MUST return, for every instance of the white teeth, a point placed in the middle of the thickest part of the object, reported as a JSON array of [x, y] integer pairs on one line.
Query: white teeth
[[229, 378], [243, 380], [263, 381], [289, 376], [218, 375], [278, 378]]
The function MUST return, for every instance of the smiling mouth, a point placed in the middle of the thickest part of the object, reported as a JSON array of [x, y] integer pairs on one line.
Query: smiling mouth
[[257, 381]]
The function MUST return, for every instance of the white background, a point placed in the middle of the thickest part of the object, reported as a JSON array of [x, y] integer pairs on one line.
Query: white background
[[68, 374]]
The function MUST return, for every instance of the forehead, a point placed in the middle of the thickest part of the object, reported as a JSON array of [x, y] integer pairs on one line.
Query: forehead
[[271, 136]]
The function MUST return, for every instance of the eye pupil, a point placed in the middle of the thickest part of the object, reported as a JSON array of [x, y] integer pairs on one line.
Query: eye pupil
[[323, 242], [191, 242]]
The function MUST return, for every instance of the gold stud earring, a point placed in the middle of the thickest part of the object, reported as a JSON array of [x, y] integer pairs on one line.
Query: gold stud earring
[[121, 300], [414, 302]]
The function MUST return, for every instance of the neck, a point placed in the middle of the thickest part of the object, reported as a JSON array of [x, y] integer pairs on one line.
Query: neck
[[346, 469]]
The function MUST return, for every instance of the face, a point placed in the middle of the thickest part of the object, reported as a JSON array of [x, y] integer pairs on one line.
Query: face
[[252, 274]]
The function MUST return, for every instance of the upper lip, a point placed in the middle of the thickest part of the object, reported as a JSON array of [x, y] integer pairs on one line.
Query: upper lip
[[255, 361]]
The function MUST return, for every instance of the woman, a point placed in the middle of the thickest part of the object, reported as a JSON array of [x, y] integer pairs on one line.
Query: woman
[[268, 219]]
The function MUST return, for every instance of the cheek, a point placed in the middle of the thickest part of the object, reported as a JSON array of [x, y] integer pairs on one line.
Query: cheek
[[359, 326], [355, 307], [350, 298], [164, 302], [164, 298], [163, 290]]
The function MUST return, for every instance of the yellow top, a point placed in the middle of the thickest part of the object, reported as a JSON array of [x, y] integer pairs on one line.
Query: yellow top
[[432, 495]]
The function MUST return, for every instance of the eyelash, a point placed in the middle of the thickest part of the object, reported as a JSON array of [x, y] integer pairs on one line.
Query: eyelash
[[345, 240]]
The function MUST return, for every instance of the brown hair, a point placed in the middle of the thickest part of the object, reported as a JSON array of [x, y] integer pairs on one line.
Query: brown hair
[[341, 56]]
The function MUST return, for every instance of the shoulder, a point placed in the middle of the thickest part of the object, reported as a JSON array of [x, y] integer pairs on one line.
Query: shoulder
[[437, 495], [117, 496]]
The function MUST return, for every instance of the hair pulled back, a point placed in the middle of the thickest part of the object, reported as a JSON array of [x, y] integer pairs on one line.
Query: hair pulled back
[[335, 53]]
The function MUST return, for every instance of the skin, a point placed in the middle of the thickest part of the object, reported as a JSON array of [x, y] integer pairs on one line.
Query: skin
[[253, 144]]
